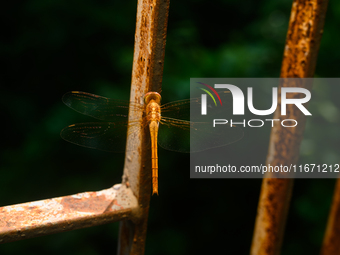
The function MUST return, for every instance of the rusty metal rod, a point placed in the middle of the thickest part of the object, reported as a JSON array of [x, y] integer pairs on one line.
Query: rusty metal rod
[[299, 60], [66, 213], [147, 72], [331, 243]]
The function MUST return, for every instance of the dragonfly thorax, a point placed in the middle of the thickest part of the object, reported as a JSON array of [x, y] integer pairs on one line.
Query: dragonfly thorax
[[153, 111], [153, 108]]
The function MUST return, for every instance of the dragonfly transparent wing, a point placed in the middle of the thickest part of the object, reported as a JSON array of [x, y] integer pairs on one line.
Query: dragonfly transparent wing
[[178, 126], [99, 107], [174, 134], [106, 136], [185, 136]]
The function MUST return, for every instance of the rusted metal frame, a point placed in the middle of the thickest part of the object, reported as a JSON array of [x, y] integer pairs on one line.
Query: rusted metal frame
[[331, 244], [150, 38], [87, 209], [66, 213], [299, 61]]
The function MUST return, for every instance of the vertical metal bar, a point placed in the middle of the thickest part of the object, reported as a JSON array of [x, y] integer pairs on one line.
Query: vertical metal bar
[[299, 60], [331, 244], [150, 38]]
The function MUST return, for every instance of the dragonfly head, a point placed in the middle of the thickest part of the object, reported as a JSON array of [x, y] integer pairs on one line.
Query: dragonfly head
[[152, 96]]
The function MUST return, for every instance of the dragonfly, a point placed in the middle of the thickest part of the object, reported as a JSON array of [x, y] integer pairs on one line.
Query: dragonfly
[[169, 124]]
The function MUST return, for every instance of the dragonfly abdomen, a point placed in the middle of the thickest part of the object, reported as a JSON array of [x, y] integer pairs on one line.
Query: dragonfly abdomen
[[153, 116]]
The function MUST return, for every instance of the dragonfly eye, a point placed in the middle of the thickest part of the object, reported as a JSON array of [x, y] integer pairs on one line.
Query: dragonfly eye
[[152, 96]]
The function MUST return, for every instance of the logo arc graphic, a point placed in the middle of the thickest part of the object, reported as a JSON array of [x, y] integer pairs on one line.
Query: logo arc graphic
[[208, 92], [213, 90]]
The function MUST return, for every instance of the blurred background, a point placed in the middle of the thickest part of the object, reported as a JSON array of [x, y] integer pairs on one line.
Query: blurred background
[[51, 47]]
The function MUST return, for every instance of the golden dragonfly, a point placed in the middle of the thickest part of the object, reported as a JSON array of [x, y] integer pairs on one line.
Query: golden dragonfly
[[169, 124]]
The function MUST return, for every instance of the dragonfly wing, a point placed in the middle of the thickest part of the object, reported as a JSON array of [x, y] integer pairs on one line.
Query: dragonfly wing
[[103, 136], [99, 107], [185, 136], [181, 109]]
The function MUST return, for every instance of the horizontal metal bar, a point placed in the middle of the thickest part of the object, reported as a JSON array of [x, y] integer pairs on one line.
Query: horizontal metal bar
[[66, 213]]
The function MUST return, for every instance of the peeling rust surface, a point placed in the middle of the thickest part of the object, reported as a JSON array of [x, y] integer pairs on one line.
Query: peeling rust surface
[[61, 214], [147, 72], [303, 38], [271, 216], [299, 61], [331, 244]]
